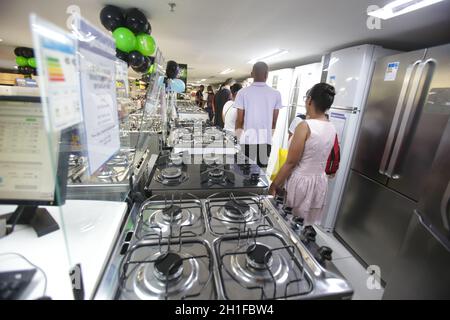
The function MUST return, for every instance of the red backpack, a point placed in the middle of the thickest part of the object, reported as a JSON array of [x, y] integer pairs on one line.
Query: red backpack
[[334, 158]]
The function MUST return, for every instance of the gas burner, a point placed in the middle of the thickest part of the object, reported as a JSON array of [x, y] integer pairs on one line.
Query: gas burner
[[168, 266], [171, 173], [159, 219], [171, 176], [259, 256], [172, 213], [148, 274], [210, 159], [268, 268], [237, 210], [120, 159], [216, 173], [108, 173]]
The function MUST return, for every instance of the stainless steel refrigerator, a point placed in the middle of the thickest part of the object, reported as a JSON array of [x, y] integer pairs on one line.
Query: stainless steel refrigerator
[[421, 269], [403, 122]]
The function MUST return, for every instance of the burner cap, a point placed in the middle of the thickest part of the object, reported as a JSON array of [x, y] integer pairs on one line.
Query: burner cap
[[172, 212], [257, 255], [168, 264], [171, 173], [216, 173], [237, 208]]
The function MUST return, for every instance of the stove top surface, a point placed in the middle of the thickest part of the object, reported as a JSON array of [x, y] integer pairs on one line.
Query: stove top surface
[[223, 247]]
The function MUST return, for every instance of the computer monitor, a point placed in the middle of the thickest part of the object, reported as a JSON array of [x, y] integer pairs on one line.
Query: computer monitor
[[27, 173]]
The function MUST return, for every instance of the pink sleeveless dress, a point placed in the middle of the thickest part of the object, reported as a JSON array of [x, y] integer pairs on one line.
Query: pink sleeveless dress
[[307, 186]]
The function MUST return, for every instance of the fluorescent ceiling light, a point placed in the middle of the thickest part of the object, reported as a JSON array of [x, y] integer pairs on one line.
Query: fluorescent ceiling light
[[1, 39], [227, 71], [269, 56], [202, 80], [399, 7]]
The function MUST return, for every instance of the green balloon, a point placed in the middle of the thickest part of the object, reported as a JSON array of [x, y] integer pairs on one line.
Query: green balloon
[[21, 61], [32, 62], [151, 69], [145, 44], [125, 39]]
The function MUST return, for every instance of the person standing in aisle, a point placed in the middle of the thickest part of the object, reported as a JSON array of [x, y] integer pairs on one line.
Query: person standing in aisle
[[199, 96], [258, 107], [303, 176], [210, 103], [222, 97], [229, 113]]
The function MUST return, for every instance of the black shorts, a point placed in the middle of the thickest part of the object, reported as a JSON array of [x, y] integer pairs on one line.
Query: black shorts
[[258, 152]]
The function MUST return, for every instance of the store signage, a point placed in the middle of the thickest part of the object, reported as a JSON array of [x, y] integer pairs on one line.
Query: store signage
[[98, 90], [55, 52]]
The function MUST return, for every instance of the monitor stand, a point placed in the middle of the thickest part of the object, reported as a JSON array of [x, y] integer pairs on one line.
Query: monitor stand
[[39, 218]]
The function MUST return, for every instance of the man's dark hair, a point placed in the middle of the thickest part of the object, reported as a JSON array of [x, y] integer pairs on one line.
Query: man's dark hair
[[323, 96], [202, 87], [235, 88], [260, 70], [228, 82]]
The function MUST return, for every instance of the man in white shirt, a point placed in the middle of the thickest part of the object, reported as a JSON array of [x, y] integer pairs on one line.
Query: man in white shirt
[[258, 107]]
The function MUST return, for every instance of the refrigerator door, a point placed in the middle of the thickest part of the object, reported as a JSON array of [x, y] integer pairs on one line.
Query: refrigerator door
[[422, 268], [346, 69], [379, 127], [426, 115], [373, 221]]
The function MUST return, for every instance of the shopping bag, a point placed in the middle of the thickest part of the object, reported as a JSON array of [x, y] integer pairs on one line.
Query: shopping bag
[[281, 159]]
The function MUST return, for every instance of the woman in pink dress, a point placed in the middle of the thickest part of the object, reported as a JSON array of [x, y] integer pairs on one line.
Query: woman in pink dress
[[302, 178]]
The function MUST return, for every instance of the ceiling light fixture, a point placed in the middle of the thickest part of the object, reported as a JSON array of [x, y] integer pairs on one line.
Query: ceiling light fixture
[[399, 7], [202, 80], [227, 71], [1, 39], [269, 56]]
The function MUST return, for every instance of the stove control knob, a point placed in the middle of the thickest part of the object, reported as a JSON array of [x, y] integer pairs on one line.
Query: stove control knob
[[309, 233], [279, 199], [324, 253], [288, 210]]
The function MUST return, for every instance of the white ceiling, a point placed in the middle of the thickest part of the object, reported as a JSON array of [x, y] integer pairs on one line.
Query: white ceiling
[[213, 35]]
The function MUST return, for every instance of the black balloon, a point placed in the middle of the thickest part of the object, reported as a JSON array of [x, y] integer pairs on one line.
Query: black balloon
[[27, 52], [172, 69], [28, 70], [18, 51], [136, 21], [136, 59], [144, 66], [122, 55], [149, 28], [112, 17]]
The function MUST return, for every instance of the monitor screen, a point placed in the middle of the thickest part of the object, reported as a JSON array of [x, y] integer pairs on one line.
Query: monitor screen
[[27, 172]]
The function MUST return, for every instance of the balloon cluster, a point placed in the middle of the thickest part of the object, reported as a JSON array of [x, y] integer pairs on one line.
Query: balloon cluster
[[131, 31], [25, 60]]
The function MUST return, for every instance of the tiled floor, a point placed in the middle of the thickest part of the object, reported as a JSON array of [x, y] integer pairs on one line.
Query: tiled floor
[[352, 270]]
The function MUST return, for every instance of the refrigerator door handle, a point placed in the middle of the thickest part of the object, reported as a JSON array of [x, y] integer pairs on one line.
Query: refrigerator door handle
[[407, 115], [432, 230], [398, 111], [445, 208]]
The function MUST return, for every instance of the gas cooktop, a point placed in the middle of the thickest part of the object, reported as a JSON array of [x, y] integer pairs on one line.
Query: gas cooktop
[[213, 174], [222, 247]]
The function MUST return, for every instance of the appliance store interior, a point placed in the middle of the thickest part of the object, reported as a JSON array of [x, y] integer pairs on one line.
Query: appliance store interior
[[224, 150]]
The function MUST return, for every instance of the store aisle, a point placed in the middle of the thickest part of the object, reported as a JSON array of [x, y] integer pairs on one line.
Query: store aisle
[[352, 270]]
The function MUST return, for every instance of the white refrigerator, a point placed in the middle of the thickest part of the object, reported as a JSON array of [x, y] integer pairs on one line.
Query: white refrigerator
[[281, 81], [303, 79], [350, 72]]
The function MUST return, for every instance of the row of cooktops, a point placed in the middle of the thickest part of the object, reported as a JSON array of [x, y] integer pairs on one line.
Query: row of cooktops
[[175, 173], [222, 247]]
